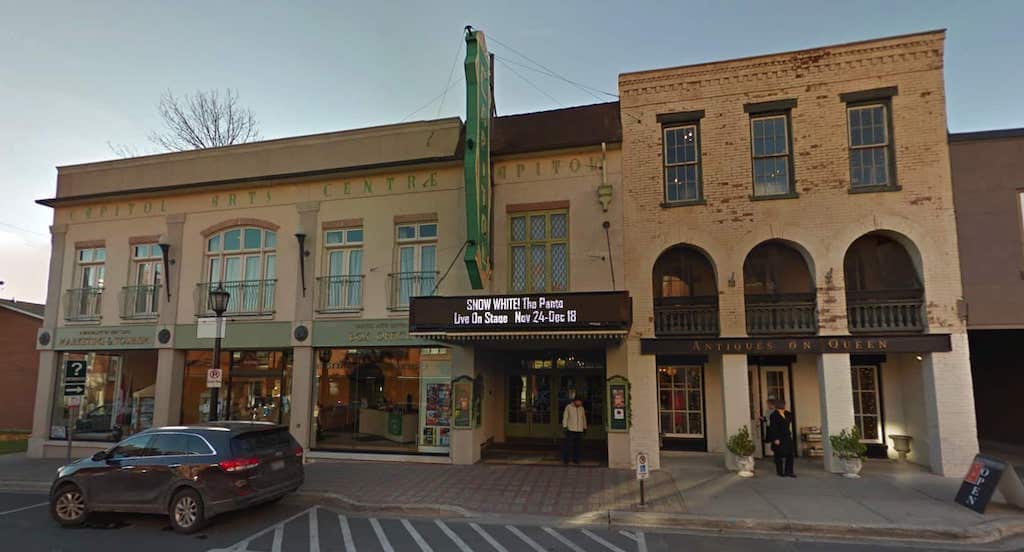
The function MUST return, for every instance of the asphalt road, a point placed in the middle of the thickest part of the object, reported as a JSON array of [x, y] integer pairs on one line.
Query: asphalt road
[[296, 524]]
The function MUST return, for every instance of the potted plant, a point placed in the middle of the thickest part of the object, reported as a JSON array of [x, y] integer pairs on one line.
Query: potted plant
[[847, 447], [742, 447]]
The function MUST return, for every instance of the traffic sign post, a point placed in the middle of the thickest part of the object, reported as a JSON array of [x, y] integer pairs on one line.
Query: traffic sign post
[[642, 472], [74, 389], [214, 378]]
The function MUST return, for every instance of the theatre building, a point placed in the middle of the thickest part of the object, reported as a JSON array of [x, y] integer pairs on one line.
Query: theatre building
[[792, 237]]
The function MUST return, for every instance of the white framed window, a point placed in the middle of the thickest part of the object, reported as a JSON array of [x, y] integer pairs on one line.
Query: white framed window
[[870, 145], [867, 408], [244, 261], [142, 296], [681, 401], [769, 140], [84, 299], [342, 288], [416, 262], [90, 267], [682, 163]]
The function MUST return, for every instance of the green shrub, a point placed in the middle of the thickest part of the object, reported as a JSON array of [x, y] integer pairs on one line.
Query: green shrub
[[847, 444], [740, 443]]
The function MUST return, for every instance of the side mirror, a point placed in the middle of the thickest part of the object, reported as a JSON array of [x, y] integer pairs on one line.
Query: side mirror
[[100, 456]]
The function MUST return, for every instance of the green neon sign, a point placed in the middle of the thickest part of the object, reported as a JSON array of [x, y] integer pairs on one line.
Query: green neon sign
[[477, 159]]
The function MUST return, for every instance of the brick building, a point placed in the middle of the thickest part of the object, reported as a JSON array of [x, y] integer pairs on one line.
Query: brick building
[[793, 237], [989, 198], [20, 322]]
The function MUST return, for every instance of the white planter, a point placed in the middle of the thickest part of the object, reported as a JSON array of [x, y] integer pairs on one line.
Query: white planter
[[745, 465], [851, 467]]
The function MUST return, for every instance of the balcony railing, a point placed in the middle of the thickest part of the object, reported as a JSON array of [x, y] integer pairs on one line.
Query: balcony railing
[[140, 302], [340, 294], [686, 316], [247, 297], [83, 304], [885, 311], [403, 285], [791, 313]]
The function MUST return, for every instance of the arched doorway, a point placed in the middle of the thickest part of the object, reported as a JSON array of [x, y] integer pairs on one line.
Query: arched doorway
[[779, 290], [884, 291], [685, 293]]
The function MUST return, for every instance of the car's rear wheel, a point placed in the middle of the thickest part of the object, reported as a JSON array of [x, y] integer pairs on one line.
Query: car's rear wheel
[[68, 506], [187, 513]]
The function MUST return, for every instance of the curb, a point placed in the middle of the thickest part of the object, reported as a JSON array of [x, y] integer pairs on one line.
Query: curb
[[987, 532]]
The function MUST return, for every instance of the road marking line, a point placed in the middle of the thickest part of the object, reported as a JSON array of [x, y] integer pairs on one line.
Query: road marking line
[[278, 537], [629, 535], [568, 543], [490, 540], [346, 534], [601, 541], [641, 542], [522, 536], [416, 536], [314, 531], [384, 542], [244, 543], [23, 508], [451, 535]]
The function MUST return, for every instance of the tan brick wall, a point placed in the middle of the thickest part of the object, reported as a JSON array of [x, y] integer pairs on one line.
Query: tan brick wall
[[825, 219]]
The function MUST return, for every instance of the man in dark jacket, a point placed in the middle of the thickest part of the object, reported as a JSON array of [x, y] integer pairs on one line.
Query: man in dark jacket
[[780, 435]]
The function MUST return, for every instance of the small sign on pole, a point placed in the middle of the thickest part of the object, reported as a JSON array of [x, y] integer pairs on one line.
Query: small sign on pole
[[74, 371], [642, 472], [214, 378], [208, 328]]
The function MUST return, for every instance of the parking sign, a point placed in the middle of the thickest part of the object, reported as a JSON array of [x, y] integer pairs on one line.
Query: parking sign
[[214, 377], [642, 470]]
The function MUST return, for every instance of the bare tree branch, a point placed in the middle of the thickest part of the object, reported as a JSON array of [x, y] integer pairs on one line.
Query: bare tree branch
[[204, 120]]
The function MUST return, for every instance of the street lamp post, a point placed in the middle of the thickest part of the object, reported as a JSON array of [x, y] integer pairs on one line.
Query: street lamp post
[[218, 303]]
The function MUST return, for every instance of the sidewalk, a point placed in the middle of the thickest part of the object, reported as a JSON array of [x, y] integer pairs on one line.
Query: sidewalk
[[691, 491]]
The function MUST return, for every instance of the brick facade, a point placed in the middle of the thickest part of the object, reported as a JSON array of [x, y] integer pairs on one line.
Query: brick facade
[[18, 370]]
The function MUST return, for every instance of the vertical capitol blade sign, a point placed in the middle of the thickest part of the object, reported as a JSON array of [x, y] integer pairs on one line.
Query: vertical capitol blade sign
[[477, 159]]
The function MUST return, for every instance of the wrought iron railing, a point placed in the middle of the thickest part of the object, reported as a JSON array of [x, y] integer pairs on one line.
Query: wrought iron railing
[[140, 302], [791, 313], [247, 297], [686, 316], [885, 311], [404, 285], [340, 293], [83, 304]]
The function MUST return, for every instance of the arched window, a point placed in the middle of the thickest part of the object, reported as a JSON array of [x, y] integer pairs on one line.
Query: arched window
[[244, 261], [778, 290], [883, 289], [685, 293]]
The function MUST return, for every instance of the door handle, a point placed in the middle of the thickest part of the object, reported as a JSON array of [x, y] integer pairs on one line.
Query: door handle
[[174, 466]]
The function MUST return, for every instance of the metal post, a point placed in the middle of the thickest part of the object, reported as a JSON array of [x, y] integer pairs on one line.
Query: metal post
[[641, 492], [215, 391], [67, 432]]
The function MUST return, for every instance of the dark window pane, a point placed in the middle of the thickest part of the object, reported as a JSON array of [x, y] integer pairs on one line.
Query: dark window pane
[[870, 428], [169, 444], [666, 423], [696, 424], [665, 400], [197, 445], [252, 238]]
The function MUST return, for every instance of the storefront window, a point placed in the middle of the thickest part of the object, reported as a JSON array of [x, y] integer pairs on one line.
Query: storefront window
[[388, 399], [118, 399], [256, 387], [680, 404]]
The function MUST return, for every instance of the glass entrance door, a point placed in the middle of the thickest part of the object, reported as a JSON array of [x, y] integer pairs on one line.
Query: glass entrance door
[[255, 397], [529, 406], [767, 384]]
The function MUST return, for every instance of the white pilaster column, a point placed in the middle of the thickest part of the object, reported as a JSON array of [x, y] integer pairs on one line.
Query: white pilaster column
[[735, 400], [170, 377], [301, 393], [836, 391], [643, 385], [46, 379], [949, 408], [465, 448]]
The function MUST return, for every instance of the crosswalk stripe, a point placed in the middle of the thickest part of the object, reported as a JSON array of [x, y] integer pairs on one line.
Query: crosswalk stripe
[[641, 542], [451, 535], [244, 543], [384, 543], [346, 534], [314, 531], [568, 543], [522, 536], [601, 541], [278, 537], [416, 536], [497, 545], [629, 535]]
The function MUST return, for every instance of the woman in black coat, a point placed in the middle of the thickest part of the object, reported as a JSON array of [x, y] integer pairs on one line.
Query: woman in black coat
[[780, 435]]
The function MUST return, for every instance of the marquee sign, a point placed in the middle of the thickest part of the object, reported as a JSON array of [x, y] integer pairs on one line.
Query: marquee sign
[[477, 159], [563, 312]]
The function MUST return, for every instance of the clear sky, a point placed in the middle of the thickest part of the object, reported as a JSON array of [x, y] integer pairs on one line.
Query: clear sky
[[76, 75]]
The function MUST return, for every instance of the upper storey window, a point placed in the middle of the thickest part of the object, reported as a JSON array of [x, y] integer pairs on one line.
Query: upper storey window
[[244, 262], [682, 163], [771, 154], [869, 128]]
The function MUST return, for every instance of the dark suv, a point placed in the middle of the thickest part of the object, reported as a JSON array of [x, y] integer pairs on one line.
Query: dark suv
[[190, 473]]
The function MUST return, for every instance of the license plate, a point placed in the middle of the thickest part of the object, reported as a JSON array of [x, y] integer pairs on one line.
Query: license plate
[[277, 465]]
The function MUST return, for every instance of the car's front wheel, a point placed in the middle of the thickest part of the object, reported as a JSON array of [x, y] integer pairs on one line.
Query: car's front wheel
[[68, 506], [187, 513]]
